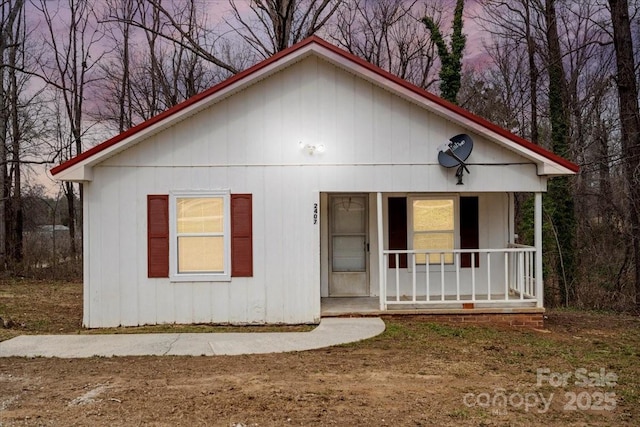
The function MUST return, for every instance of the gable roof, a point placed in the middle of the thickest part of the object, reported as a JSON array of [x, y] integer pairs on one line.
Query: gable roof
[[79, 168]]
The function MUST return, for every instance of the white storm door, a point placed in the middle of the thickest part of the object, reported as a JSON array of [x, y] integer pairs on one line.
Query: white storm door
[[348, 246]]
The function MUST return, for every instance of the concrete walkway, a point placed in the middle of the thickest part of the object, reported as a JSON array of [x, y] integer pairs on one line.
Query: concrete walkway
[[331, 331]]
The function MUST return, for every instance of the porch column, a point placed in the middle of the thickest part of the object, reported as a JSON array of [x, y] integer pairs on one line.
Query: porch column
[[381, 267], [537, 224]]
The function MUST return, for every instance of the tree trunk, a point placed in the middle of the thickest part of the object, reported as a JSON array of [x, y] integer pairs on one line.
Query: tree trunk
[[533, 75], [559, 201], [629, 125]]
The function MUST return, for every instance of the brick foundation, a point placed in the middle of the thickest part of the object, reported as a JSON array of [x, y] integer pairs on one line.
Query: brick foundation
[[516, 320]]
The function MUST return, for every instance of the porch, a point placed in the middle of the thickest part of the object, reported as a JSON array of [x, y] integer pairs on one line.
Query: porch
[[492, 279]]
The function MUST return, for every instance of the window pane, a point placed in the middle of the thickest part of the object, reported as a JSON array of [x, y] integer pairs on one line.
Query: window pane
[[348, 253], [200, 214], [201, 254], [433, 241], [433, 215]]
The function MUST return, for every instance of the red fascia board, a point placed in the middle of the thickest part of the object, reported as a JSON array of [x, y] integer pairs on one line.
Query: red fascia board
[[336, 50]]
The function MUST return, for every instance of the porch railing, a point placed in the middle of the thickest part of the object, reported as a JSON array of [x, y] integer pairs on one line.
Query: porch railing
[[441, 283]]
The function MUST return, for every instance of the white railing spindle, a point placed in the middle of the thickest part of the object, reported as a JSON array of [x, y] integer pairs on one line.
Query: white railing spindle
[[397, 277], [427, 264], [457, 276], [413, 276], [506, 276], [473, 276], [521, 275], [442, 276], [489, 276]]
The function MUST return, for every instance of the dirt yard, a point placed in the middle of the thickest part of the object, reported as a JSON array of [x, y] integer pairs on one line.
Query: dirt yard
[[584, 370]]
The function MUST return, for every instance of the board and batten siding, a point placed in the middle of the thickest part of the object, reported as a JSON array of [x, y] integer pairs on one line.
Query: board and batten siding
[[375, 141]]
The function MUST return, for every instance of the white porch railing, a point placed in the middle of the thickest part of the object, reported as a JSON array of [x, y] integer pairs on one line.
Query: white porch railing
[[501, 276]]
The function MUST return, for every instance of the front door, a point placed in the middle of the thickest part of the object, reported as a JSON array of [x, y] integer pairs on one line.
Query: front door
[[348, 239]]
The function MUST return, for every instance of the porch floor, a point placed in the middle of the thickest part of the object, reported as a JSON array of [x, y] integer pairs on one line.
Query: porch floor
[[369, 306]]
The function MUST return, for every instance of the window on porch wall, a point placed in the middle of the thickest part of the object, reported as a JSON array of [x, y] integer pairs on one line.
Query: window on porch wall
[[433, 226]]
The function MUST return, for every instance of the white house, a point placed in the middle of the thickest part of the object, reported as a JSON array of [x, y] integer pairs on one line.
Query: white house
[[309, 179]]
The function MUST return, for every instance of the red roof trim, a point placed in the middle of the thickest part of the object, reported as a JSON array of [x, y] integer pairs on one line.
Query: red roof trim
[[336, 50]]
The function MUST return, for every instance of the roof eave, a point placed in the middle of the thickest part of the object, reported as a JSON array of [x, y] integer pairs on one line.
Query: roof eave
[[554, 169], [76, 173]]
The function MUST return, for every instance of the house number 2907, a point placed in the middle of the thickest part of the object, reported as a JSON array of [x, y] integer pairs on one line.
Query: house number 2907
[[315, 213]]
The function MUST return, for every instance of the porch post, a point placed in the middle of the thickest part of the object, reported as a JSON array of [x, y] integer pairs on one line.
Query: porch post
[[381, 267], [538, 244]]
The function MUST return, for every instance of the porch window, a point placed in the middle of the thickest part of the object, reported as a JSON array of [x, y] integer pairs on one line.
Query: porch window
[[433, 227]]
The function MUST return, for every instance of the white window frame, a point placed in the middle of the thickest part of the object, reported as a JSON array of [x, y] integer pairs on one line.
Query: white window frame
[[223, 276], [456, 227]]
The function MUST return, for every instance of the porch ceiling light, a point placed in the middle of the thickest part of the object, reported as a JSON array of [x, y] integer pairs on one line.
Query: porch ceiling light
[[311, 149]]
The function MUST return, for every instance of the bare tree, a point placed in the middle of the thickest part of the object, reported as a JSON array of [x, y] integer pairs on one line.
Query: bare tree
[[20, 126], [629, 124], [274, 25], [521, 24], [153, 66], [388, 34], [118, 69], [11, 13], [74, 57], [11, 45], [558, 79], [176, 23]]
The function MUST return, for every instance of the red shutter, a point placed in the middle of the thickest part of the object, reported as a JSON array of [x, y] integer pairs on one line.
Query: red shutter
[[398, 229], [158, 235], [241, 236], [469, 230]]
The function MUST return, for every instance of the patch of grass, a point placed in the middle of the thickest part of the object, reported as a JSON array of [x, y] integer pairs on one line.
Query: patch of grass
[[397, 330], [459, 414], [446, 330]]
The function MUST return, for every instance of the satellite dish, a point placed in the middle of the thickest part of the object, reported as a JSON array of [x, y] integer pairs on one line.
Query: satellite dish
[[455, 153]]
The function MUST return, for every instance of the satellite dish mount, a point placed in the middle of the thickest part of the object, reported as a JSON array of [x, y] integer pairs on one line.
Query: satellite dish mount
[[455, 153]]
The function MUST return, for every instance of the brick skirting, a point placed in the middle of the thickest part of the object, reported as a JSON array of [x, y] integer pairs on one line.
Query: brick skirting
[[516, 320]]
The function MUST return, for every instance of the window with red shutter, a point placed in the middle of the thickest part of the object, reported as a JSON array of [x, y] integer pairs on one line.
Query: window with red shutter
[[200, 236], [401, 213]]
